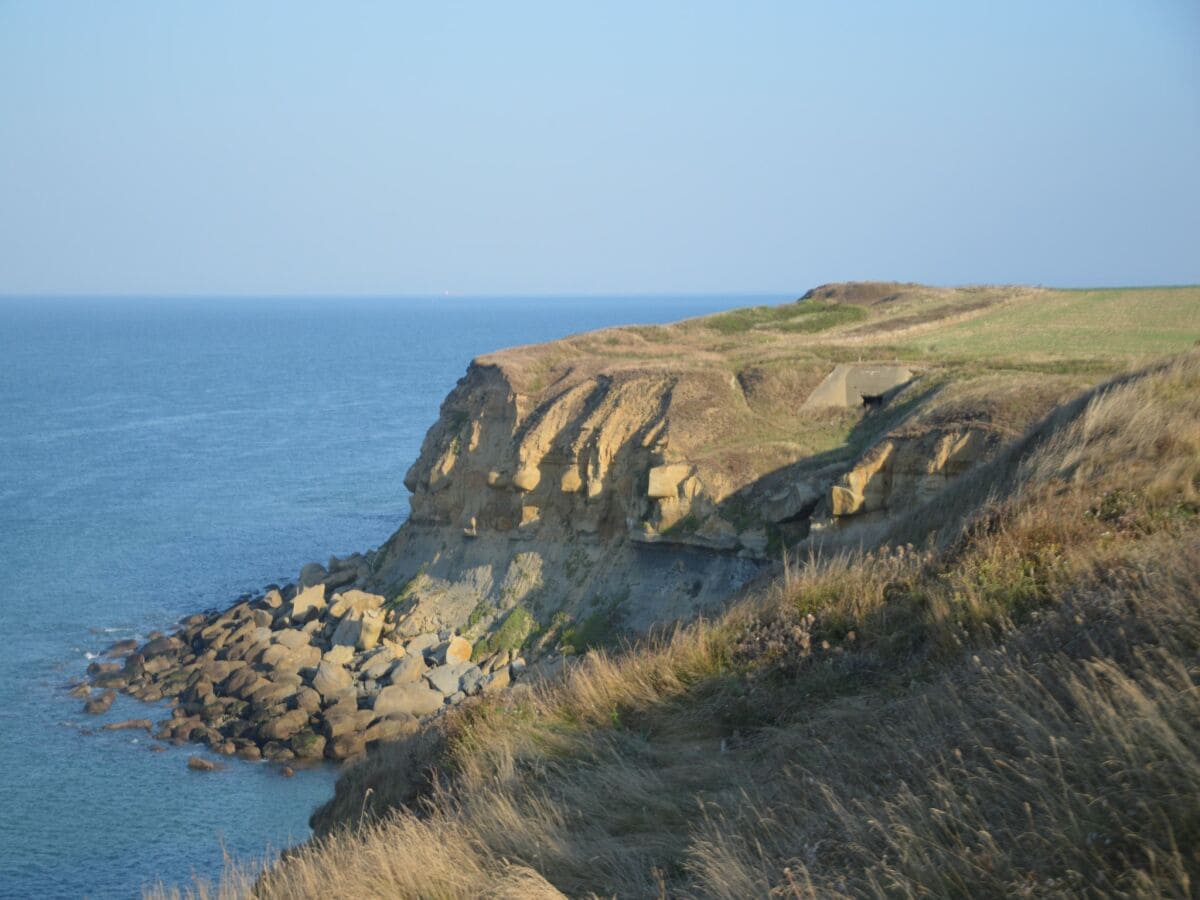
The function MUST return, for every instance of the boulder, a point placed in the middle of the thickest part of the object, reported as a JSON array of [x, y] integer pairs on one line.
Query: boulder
[[162, 646], [446, 678], [241, 641], [355, 601], [369, 630], [280, 659], [242, 681], [307, 745], [396, 647], [273, 694], [111, 680], [217, 670], [308, 700], [331, 680], [147, 694], [277, 752], [291, 638], [378, 664], [458, 650], [210, 633], [335, 726], [422, 643], [276, 654], [308, 604], [200, 764], [408, 669], [312, 574], [339, 655], [497, 681], [472, 680], [416, 699], [346, 746], [128, 724], [390, 728], [341, 578], [346, 634], [121, 648], [272, 599], [238, 729], [282, 728], [97, 705], [156, 665]]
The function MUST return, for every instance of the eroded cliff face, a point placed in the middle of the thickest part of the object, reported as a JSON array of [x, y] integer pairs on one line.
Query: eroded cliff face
[[570, 463], [626, 495], [900, 472], [620, 479], [551, 497]]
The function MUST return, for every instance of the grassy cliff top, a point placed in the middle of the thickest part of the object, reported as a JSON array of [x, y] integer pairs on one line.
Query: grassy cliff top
[[734, 383], [1088, 331]]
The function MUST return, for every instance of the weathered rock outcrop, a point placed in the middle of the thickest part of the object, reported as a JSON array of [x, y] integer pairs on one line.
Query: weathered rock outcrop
[[900, 472]]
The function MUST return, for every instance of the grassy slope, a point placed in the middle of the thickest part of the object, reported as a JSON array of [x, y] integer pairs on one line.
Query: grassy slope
[[1102, 325], [1015, 711]]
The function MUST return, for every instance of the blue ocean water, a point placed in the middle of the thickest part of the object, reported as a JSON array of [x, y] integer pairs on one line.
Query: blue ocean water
[[160, 457]]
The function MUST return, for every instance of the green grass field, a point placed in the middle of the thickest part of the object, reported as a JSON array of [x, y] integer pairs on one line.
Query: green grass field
[[1116, 324]]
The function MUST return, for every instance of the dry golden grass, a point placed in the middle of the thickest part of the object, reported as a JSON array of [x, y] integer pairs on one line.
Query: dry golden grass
[[1012, 710]]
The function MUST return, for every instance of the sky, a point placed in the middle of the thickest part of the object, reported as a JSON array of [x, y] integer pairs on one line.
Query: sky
[[368, 148]]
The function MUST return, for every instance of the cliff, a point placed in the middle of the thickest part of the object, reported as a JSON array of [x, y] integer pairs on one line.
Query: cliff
[[580, 493], [640, 476]]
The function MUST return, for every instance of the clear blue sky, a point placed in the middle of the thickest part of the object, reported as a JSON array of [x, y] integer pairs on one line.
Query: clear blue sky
[[399, 148]]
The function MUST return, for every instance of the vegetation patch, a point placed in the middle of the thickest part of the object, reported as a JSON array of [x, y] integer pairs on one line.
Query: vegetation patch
[[516, 629], [601, 628], [576, 565], [807, 317], [404, 593], [482, 608]]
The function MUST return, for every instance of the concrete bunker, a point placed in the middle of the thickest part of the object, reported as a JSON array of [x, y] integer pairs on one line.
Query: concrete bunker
[[857, 384]]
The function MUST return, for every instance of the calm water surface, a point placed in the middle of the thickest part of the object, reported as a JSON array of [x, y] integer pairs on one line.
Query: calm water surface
[[161, 457]]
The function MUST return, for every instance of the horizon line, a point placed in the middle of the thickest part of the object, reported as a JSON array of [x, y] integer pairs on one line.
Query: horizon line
[[565, 295]]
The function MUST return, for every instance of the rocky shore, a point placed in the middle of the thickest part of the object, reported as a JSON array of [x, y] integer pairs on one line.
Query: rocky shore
[[308, 671]]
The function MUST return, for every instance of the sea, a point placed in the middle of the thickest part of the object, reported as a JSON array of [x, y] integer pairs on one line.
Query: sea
[[161, 456]]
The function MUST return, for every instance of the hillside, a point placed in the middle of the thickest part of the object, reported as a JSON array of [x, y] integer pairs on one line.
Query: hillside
[[950, 686]]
